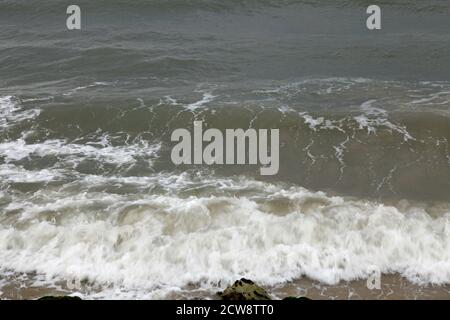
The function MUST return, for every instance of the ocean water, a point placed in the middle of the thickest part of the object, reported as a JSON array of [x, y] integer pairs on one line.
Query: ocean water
[[87, 188]]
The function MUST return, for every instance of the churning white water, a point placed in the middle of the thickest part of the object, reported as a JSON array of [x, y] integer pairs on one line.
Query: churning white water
[[269, 233]]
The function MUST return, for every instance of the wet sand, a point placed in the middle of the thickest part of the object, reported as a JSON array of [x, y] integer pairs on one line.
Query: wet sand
[[393, 287]]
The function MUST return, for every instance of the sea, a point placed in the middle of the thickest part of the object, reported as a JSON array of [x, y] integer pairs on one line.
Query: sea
[[91, 203]]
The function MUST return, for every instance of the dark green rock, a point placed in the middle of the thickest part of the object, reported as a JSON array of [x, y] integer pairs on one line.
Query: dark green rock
[[244, 289], [64, 298]]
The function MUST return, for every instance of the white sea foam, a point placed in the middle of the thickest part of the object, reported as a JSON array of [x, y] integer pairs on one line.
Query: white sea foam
[[92, 85], [207, 97], [15, 174], [151, 245], [320, 123], [320, 86], [11, 112], [436, 98], [371, 119], [102, 150], [374, 118]]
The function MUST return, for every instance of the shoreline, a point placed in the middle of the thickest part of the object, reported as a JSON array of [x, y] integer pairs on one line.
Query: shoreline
[[393, 287]]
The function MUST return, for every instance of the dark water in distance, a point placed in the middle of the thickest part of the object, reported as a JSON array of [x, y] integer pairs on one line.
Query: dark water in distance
[[86, 118]]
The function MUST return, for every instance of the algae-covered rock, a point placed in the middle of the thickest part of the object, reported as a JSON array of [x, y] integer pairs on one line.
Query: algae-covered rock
[[244, 289], [62, 298]]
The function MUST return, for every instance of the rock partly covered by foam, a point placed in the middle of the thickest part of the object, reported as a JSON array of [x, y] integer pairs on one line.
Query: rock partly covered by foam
[[244, 289]]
